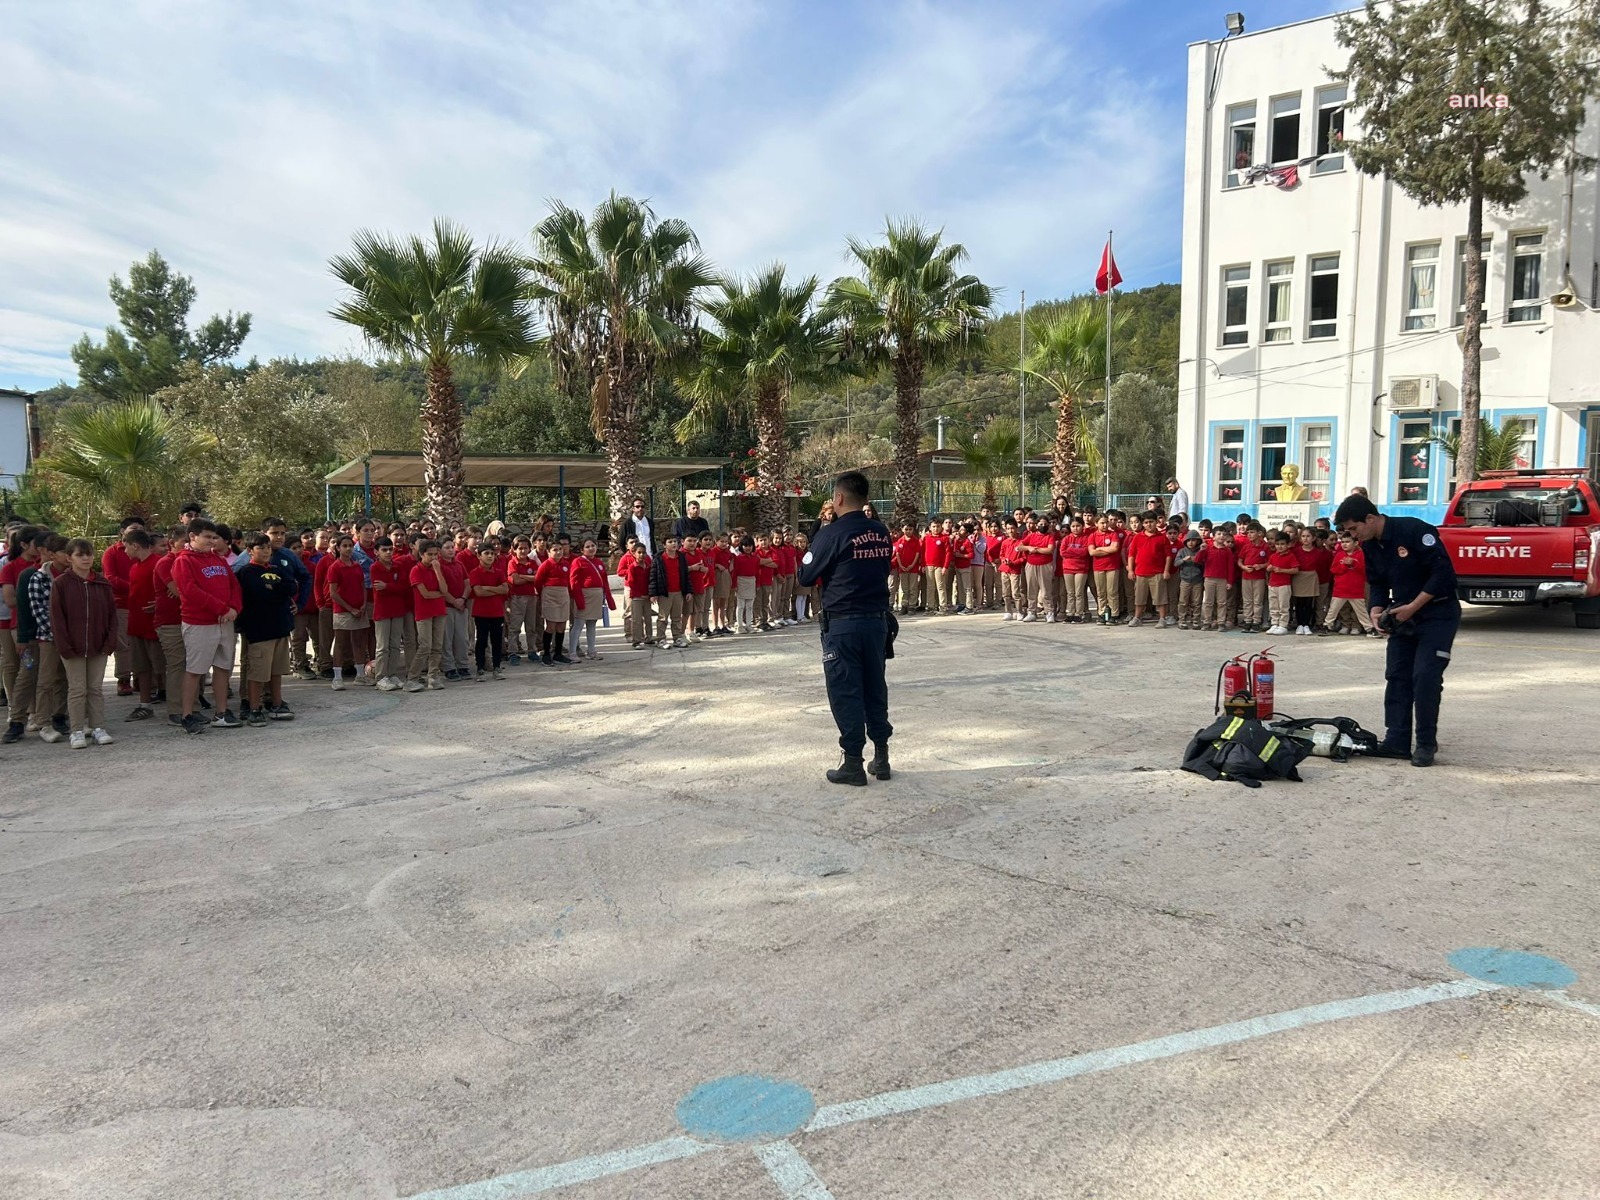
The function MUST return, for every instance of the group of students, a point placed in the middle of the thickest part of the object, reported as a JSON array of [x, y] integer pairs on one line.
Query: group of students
[[707, 585], [1107, 568]]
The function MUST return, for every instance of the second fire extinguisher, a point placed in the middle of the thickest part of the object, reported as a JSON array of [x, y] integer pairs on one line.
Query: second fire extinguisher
[[1263, 680]]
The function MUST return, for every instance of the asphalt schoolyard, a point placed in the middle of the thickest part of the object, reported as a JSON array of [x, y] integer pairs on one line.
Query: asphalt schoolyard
[[606, 932]]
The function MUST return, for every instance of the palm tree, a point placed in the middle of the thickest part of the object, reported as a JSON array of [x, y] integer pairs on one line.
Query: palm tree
[[909, 310], [436, 303], [769, 337], [618, 290], [994, 453], [132, 458], [1498, 449], [1069, 357]]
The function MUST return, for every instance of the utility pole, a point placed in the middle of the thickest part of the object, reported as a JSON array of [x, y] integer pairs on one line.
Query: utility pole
[[940, 443], [1022, 423]]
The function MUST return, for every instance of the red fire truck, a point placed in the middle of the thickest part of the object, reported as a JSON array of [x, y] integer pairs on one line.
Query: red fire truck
[[1528, 537]]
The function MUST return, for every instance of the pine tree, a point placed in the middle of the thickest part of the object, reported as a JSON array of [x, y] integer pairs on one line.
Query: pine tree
[[1408, 60]]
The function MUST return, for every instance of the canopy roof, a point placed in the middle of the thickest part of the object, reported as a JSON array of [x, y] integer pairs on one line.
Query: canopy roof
[[390, 468], [946, 466]]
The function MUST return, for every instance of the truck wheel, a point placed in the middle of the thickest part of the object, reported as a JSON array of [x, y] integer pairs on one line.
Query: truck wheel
[[1587, 620]]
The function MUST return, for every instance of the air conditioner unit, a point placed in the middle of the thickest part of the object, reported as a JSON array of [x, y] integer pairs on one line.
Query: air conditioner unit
[[1414, 392]]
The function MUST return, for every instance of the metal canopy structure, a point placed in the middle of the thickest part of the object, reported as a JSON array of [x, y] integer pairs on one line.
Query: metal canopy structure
[[390, 468], [556, 472]]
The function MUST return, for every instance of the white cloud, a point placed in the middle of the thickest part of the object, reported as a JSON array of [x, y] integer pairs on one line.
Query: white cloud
[[247, 142]]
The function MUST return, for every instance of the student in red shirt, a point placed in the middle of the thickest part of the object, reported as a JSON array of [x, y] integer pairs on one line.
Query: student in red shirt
[[702, 568], [1349, 570], [490, 586], [117, 567], [961, 552], [22, 552], [168, 620], [907, 567], [1008, 566], [1322, 542], [766, 570], [352, 630], [591, 591], [1038, 548], [522, 605], [1253, 554], [554, 579], [1218, 566], [935, 561], [149, 667], [1073, 552], [1105, 555], [457, 655], [428, 605], [722, 590], [744, 582], [639, 620], [391, 604], [1149, 563], [208, 601], [1283, 564]]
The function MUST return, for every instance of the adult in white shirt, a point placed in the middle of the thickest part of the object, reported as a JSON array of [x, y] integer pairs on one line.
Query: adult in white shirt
[[1180, 499], [635, 524]]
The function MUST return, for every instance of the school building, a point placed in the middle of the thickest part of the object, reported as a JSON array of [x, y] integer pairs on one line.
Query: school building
[[1321, 307]]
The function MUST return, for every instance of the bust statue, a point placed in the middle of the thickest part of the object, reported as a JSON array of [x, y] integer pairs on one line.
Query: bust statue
[[1291, 488]]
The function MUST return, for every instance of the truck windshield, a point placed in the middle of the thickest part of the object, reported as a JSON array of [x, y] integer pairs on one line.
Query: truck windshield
[[1522, 506]]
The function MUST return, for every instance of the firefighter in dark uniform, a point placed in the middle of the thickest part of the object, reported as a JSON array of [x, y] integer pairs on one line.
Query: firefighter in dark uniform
[[1411, 588], [851, 556]]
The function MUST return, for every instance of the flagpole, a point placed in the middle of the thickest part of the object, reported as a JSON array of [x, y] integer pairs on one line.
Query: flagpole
[[1109, 289], [1022, 389]]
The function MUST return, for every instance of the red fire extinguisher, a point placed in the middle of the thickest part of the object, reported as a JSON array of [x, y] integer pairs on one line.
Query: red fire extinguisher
[[1232, 681], [1263, 679]]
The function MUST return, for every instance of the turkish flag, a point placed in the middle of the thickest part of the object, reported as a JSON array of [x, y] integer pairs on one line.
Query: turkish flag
[[1108, 276]]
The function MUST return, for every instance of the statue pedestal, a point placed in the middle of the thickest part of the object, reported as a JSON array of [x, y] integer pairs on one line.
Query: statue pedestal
[[1273, 513]]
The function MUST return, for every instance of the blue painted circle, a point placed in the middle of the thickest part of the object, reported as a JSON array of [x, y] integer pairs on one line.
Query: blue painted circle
[[745, 1108], [1513, 968]]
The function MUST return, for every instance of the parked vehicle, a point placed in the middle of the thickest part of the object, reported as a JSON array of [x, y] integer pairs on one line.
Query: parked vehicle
[[1528, 537]]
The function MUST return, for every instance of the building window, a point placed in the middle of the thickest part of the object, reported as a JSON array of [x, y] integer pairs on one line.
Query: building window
[[1523, 458], [1230, 463], [1422, 279], [1330, 129], [1280, 286], [1527, 277], [1316, 458], [1286, 129], [1274, 454], [1461, 279], [1241, 141], [1416, 451], [1235, 306], [1527, 445], [1324, 297]]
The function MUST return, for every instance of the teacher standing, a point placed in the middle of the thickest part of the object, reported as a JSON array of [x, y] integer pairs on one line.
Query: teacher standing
[[850, 557]]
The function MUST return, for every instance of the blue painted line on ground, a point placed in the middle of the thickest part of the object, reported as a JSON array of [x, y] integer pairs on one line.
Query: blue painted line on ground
[[1582, 1006], [934, 1095], [583, 1170], [791, 1172], [579, 1170]]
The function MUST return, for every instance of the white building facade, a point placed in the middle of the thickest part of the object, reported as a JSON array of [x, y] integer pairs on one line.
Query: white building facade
[[1319, 319]]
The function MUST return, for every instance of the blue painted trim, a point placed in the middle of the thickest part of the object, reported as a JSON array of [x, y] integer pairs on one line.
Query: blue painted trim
[[1583, 433], [1250, 485]]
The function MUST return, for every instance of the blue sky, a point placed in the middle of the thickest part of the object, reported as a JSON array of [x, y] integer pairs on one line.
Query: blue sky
[[247, 141]]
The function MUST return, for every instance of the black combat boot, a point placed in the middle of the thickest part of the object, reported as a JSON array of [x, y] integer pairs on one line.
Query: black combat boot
[[850, 772], [878, 768]]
